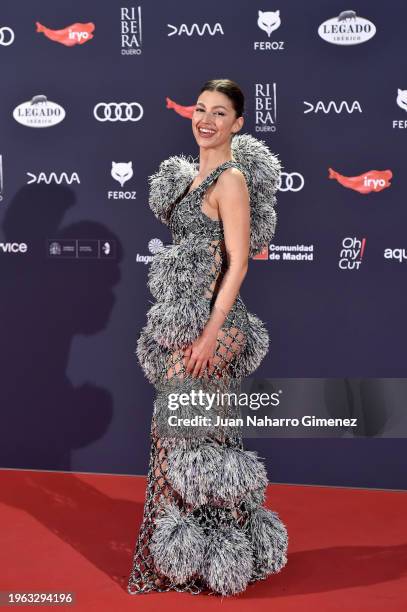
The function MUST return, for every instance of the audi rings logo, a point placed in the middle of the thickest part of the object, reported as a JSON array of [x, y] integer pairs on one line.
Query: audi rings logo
[[291, 182], [118, 111], [6, 36]]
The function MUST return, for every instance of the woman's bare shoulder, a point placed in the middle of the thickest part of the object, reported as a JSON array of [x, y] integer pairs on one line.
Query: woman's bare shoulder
[[231, 181]]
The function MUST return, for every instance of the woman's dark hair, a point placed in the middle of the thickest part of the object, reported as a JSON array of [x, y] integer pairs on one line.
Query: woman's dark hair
[[230, 89]]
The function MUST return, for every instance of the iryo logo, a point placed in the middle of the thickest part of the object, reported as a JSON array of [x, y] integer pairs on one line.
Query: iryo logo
[[373, 180], [75, 34]]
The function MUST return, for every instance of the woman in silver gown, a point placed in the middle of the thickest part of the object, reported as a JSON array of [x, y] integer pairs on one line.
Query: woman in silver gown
[[205, 528]]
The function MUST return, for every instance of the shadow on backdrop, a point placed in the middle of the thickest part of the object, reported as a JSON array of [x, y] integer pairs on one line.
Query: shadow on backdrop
[[46, 302]]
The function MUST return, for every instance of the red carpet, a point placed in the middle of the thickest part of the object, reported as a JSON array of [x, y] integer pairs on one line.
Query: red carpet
[[76, 532]]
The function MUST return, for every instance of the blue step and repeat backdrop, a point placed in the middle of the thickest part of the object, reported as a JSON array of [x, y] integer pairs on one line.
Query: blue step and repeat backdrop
[[93, 96]]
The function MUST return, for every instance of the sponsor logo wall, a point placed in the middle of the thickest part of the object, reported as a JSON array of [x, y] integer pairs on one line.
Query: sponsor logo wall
[[94, 97]]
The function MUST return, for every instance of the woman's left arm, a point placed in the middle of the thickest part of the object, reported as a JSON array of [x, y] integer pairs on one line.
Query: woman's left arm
[[234, 210]]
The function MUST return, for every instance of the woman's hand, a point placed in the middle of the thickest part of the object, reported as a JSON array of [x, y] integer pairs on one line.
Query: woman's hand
[[201, 353]]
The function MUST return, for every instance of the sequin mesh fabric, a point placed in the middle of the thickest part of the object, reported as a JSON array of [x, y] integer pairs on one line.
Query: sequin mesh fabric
[[204, 526]]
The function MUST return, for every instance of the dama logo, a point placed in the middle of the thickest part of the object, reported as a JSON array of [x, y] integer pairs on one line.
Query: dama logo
[[331, 105], [195, 29], [75, 34], [53, 177]]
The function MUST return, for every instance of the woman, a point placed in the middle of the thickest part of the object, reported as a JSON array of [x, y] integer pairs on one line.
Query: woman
[[204, 527]]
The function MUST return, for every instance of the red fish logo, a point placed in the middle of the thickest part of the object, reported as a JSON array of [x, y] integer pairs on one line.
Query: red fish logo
[[374, 180], [184, 111], [75, 34]]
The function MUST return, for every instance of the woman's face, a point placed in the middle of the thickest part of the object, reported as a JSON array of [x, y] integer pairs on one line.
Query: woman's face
[[214, 119]]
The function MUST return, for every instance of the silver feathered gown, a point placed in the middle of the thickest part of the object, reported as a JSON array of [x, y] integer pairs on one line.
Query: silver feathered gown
[[204, 527]]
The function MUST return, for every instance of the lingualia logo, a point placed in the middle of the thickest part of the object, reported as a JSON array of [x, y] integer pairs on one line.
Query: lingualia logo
[[39, 112], [75, 34], [347, 29]]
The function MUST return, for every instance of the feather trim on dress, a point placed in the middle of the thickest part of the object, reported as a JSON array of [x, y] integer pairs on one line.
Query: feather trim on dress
[[262, 170]]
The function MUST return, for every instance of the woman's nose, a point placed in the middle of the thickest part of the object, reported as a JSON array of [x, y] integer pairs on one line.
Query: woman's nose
[[205, 113]]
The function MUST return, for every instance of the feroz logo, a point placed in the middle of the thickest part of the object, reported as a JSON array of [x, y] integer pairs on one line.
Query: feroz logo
[[347, 29], [401, 103], [121, 172], [75, 34], [269, 21], [402, 98], [39, 112], [6, 36], [118, 111]]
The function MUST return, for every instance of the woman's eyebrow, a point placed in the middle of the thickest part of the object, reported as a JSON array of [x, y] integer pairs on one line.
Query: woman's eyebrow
[[217, 105]]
